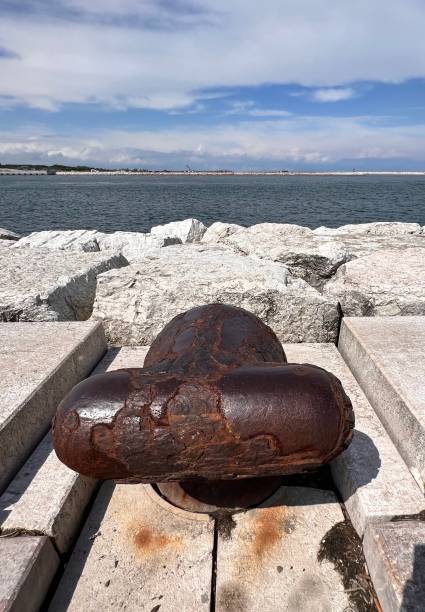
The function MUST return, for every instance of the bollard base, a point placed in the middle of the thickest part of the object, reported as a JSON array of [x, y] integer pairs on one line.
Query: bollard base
[[208, 496]]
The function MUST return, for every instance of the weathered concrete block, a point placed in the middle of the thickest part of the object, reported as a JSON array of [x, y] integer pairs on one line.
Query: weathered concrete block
[[395, 555], [139, 552], [50, 285], [136, 302], [45, 497], [40, 363], [27, 567], [386, 355], [372, 478], [269, 560]]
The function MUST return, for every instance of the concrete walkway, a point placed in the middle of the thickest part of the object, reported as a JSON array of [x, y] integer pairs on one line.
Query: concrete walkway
[[125, 547]]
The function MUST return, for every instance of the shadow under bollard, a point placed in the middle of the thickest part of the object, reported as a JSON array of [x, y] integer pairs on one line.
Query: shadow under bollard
[[67, 583], [414, 589]]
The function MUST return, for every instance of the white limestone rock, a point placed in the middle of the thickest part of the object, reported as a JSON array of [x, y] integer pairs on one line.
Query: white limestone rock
[[133, 245], [279, 229], [219, 231], [8, 235], [50, 285], [189, 230], [64, 240], [359, 245], [312, 258], [136, 302], [388, 282], [379, 228]]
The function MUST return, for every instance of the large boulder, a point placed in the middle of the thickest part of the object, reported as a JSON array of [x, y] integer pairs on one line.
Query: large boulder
[[312, 258], [189, 230], [41, 285], [132, 245], [379, 228], [136, 302], [388, 282], [8, 235], [64, 240], [219, 231], [359, 245]]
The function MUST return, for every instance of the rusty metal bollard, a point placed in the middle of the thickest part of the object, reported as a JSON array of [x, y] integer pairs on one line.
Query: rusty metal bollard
[[216, 400]]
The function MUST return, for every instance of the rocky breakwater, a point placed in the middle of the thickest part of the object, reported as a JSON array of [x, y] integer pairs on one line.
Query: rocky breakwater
[[296, 279], [36, 286], [135, 302]]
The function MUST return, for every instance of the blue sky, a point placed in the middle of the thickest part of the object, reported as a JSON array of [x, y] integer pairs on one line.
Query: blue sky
[[298, 84]]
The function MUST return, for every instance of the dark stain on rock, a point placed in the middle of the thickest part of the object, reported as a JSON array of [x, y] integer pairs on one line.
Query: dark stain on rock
[[343, 548], [205, 598], [224, 522], [156, 608], [409, 517], [232, 598], [279, 569]]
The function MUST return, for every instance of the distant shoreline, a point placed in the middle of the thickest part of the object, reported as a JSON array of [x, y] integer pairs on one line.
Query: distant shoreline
[[19, 172], [241, 173]]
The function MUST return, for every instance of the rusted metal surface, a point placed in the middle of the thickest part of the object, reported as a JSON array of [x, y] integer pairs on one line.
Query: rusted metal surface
[[210, 496], [215, 399]]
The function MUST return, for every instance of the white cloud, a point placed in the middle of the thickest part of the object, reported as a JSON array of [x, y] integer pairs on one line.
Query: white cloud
[[160, 54], [298, 140], [248, 108], [333, 94], [268, 112]]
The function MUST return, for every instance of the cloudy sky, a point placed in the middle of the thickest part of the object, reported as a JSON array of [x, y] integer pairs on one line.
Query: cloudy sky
[[298, 84]]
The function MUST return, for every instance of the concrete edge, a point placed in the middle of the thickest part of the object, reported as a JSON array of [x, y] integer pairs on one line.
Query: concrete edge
[[359, 362]]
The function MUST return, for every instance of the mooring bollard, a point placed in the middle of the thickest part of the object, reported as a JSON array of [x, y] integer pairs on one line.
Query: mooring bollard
[[215, 400]]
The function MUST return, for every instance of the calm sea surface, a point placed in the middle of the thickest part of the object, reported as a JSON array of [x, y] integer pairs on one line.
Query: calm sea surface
[[136, 203]]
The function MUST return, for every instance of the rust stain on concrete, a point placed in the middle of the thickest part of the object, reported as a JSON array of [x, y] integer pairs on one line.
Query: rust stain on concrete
[[269, 527], [147, 541], [267, 530]]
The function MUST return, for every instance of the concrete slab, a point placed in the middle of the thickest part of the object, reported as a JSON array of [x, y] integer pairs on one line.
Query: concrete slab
[[387, 356], [40, 363], [45, 498], [372, 478], [27, 567], [137, 552], [269, 561], [395, 554], [122, 357]]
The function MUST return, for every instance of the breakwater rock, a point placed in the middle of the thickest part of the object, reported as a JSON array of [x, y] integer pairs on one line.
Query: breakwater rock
[[135, 301], [298, 280], [8, 235], [57, 287]]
